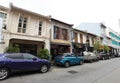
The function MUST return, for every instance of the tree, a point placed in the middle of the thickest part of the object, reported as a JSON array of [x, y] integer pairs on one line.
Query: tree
[[97, 46], [12, 49], [106, 48], [44, 54]]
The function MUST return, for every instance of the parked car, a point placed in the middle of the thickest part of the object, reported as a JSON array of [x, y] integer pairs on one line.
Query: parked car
[[68, 59], [12, 62], [90, 56], [104, 55], [119, 53]]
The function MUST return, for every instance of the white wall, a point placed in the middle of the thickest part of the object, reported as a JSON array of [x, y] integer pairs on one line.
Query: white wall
[[1, 29], [31, 30]]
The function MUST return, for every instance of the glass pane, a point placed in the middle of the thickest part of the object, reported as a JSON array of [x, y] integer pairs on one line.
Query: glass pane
[[4, 26], [24, 25], [39, 32], [19, 29], [40, 23], [20, 19], [39, 28], [15, 56], [1, 15], [25, 20], [28, 56], [20, 25], [23, 30]]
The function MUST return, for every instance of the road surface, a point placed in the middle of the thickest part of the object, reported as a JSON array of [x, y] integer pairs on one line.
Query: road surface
[[103, 71]]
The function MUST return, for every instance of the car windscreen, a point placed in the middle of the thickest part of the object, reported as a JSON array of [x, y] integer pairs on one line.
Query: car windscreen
[[102, 52], [65, 54]]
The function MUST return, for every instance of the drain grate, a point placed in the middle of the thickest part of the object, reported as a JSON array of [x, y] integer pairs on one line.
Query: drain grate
[[72, 72]]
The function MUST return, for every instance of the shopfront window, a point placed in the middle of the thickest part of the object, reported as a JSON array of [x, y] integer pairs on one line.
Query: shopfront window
[[59, 50]]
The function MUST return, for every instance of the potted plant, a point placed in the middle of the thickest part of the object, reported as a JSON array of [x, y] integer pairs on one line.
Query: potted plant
[[12, 49], [44, 54]]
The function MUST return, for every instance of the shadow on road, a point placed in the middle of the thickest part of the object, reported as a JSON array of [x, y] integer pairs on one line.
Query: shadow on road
[[19, 74]]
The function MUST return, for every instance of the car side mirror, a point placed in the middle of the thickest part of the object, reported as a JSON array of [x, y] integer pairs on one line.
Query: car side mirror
[[34, 59]]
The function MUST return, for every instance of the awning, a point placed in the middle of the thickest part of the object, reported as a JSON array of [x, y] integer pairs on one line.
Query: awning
[[56, 43]]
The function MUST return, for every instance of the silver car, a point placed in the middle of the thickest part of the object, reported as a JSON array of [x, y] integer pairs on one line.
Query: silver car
[[90, 56]]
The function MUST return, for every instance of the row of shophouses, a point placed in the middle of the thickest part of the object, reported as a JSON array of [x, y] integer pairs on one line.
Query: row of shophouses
[[33, 31]]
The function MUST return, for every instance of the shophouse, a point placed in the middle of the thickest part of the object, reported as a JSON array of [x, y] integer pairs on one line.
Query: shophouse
[[60, 37], [82, 41], [3, 24], [98, 29], [27, 29]]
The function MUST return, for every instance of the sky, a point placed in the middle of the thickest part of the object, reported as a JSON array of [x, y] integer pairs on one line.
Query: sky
[[74, 11], [93, 28]]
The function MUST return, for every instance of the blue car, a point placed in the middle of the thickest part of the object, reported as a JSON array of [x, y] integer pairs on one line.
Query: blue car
[[12, 62], [68, 59]]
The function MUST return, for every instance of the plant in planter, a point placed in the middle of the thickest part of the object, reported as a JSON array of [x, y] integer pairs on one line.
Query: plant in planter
[[12, 49], [44, 54]]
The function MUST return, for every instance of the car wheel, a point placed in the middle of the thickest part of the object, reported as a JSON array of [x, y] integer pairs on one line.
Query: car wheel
[[67, 64], [80, 62], [97, 59], [103, 58], [109, 57], [91, 60], [4, 72], [43, 69]]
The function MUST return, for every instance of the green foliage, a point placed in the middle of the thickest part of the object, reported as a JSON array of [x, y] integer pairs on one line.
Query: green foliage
[[97, 46], [106, 48], [12, 49], [44, 54]]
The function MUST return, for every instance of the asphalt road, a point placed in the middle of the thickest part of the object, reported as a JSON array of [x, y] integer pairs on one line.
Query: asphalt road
[[105, 71]]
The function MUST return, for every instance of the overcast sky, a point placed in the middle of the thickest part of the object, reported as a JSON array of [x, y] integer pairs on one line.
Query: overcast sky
[[74, 11]]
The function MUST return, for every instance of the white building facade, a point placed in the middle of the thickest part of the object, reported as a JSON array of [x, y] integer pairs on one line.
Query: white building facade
[[27, 29], [113, 40]]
